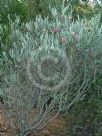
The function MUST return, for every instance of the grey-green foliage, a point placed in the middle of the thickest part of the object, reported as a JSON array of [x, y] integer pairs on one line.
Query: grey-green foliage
[[79, 44]]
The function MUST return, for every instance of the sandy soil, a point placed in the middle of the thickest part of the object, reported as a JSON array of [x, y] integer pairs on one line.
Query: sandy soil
[[52, 129]]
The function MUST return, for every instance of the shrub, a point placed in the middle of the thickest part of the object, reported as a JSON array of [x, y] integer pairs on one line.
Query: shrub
[[9, 10], [55, 63]]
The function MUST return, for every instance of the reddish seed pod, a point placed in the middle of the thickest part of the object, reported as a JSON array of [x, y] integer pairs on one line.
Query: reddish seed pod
[[56, 30]]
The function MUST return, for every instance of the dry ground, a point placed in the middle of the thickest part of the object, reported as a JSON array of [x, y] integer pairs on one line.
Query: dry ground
[[52, 129]]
